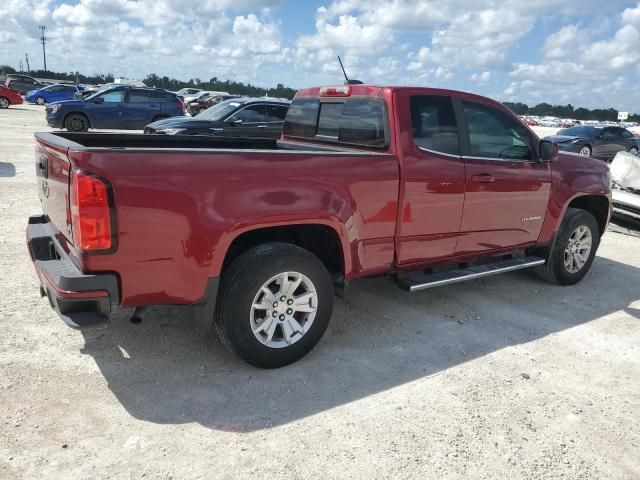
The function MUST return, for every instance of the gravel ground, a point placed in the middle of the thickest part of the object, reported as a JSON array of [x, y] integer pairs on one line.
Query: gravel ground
[[507, 377]]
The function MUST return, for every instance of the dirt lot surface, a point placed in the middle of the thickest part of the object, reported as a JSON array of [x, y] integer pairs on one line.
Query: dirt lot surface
[[507, 377]]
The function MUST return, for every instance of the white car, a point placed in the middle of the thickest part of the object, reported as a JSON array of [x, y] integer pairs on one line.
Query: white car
[[625, 173], [185, 92], [202, 95]]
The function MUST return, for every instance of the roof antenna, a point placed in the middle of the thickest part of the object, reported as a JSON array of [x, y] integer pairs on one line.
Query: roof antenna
[[348, 82]]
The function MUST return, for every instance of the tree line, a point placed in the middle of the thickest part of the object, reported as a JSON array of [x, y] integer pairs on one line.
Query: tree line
[[568, 111], [153, 80], [239, 88]]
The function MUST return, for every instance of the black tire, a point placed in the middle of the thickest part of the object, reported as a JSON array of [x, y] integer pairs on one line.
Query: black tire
[[40, 101], [586, 148], [554, 270], [633, 150], [4, 102], [76, 122], [241, 282]]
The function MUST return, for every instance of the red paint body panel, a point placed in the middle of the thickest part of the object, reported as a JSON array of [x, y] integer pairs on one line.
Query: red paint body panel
[[13, 96], [179, 210]]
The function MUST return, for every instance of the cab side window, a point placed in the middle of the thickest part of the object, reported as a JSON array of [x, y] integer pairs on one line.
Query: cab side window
[[252, 114], [494, 134], [434, 124]]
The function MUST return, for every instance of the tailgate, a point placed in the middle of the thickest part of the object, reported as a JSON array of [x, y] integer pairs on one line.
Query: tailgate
[[52, 170]]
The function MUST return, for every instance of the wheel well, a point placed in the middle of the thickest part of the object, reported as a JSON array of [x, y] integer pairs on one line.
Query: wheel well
[[321, 240], [597, 205], [64, 120]]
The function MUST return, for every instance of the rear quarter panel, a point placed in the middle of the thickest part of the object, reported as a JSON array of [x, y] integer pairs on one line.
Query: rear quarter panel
[[178, 211]]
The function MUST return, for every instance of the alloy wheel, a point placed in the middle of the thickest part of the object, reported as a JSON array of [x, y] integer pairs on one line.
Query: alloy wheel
[[283, 310], [578, 248]]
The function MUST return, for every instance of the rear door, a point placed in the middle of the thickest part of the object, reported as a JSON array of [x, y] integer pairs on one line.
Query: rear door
[[275, 119], [139, 109], [433, 178], [507, 188]]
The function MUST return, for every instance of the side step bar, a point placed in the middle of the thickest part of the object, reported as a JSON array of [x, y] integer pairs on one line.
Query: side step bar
[[422, 282]]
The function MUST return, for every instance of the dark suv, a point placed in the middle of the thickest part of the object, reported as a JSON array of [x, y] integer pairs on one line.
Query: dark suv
[[237, 117], [22, 83], [122, 108]]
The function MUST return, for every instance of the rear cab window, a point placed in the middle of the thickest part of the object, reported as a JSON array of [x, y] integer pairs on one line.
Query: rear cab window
[[355, 121]]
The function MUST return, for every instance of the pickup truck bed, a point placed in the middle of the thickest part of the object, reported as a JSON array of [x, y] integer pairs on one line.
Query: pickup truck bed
[[257, 234]]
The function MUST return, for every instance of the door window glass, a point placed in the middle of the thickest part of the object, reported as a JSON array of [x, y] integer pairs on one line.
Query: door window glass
[[137, 96], [116, 96], [494, 134], [252, 114], [276, 113], [434, 124]]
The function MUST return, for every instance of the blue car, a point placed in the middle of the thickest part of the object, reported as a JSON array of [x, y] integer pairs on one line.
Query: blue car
[[121, 107], [52, 93]]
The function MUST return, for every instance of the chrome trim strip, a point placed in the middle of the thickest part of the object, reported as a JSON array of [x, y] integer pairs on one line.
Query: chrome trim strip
[[528, 160], [439, 153], [232, 150], [474, 275]]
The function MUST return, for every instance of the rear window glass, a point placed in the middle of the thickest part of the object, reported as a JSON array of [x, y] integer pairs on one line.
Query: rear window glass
[[356, 121]]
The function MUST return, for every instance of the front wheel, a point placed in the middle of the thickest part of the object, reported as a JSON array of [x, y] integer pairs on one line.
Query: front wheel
[[76, 123], [274, 305], [633, 150], [4, 102], [573, 250], [586, 151]]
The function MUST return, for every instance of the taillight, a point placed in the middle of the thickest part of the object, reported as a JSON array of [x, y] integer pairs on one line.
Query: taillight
[[90, 213]]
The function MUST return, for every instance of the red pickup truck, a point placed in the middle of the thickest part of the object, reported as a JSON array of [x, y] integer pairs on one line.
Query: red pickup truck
[[428, 186]]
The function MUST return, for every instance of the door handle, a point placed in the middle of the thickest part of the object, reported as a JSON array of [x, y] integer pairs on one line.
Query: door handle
[[484, 178], [262, 126]]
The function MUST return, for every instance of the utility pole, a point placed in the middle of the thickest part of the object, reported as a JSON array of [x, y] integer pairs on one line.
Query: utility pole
[[43, 40], [26, 57]]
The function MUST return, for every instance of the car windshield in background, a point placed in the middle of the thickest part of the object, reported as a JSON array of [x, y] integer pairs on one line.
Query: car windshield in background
[[219, 111], [578, 132]]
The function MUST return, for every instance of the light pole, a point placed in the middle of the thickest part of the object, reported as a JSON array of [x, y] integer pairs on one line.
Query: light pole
[[43, 40]]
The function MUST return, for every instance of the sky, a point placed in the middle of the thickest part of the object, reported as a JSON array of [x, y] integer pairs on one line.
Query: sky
[[583, 52]]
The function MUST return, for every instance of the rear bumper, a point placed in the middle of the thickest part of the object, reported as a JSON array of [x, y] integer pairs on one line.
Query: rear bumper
[[82, 301]]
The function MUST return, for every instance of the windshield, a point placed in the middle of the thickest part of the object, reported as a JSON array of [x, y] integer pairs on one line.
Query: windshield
[[578, 132], [219, 111], [98, 92]]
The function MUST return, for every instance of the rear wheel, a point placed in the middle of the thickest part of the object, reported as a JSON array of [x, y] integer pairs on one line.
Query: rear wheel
[[76, 122], [4, 102], [574, 249], [40, 101], [633, 150], [274, 305], [586, 151]]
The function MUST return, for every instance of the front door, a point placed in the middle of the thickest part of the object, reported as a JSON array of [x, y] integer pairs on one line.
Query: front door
[[507, 187], [108, 110], [250, 122], [432, 175]]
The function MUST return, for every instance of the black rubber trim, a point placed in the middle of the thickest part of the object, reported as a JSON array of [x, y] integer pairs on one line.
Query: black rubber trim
[[204, 310], [51, 259]]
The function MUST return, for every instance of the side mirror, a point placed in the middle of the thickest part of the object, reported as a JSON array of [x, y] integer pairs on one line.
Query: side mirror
[[99, 100], [549, 151]]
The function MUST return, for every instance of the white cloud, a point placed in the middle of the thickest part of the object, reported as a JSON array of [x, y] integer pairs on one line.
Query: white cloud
[[483, 78]]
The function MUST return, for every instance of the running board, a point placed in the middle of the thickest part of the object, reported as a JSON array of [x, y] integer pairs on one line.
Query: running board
[[422, 282]]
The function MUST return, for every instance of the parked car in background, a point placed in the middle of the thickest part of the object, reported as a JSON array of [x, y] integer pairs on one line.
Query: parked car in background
[[598, 142], [9, 97], [122, 107], [625, 173], [241, 117], [549, 122], [22, 83], [197, 106], [187, 91], [52, 93]]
